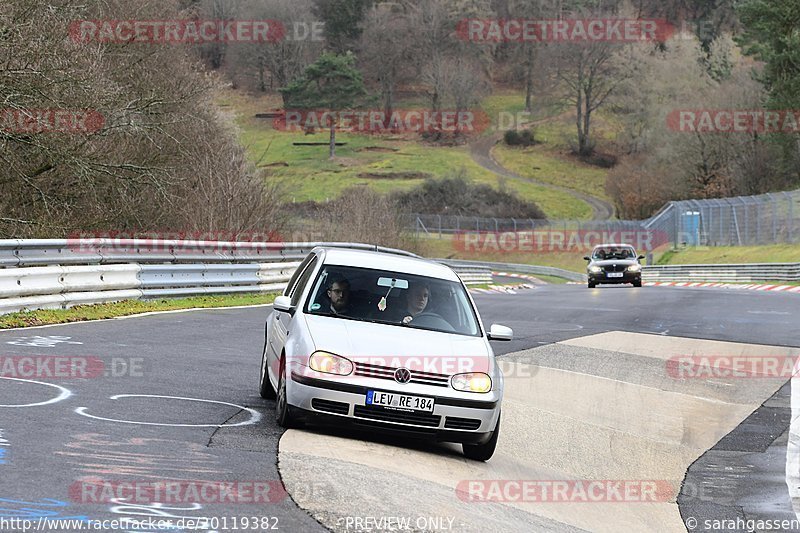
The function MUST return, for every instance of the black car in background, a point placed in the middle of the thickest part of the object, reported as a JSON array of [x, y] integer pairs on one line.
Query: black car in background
[[614, 263]]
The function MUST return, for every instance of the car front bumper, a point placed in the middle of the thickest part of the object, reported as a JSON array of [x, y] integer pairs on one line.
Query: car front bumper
[[627, 277], [339, 403]]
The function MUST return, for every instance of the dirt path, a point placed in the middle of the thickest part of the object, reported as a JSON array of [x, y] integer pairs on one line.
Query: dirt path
[[481, 152]]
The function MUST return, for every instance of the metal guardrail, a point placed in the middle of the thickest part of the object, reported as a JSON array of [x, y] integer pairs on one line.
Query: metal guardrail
[[37, 274], [742, 273], [38, 252], [457, 264], [59, 273]]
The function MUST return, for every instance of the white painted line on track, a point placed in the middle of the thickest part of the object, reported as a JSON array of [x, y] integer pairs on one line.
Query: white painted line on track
[[65, 393], [255, 416]]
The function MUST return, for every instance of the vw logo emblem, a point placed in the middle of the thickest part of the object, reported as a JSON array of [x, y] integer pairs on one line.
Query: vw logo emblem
[[402, 375]]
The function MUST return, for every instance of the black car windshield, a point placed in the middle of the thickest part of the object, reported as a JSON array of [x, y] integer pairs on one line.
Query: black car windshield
[[393, 298], [613, 252]]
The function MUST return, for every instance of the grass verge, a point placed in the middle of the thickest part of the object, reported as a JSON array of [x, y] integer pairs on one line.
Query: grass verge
[[81, 313], [709, 255]]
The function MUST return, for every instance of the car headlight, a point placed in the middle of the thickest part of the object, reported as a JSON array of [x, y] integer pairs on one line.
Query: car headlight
[[329, 363], [472, 382], [595, 269], [635, 268]]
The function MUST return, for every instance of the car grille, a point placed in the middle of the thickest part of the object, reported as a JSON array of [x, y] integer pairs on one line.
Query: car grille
[[387, 372], [403, 417], [328, 406], [453, 422], [615, 268]]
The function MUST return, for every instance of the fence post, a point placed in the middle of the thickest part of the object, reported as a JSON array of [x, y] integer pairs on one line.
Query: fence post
[[440, 225]]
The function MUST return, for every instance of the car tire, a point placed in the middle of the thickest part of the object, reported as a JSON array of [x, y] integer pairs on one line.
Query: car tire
[[637, 283], [483, 452], [265, 388], [285, 414], [592, 285]]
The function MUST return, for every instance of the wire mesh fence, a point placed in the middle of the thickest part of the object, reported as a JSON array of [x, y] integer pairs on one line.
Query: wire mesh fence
[[771, 218]]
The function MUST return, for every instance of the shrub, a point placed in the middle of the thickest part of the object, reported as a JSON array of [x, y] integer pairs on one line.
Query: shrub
[[454, 195], [519, 138]]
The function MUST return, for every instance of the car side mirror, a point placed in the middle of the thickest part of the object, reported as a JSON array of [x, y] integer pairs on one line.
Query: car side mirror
[[587, 258], [640, 258], [500, 333], [283, 303]]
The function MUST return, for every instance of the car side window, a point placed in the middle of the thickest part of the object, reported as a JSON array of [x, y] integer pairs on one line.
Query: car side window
[[303, 281], [299, 270]]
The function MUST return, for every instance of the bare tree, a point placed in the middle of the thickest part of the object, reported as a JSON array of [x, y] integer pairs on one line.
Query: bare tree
[[141, 166], [388, 44], [275, 64], [589, 74]]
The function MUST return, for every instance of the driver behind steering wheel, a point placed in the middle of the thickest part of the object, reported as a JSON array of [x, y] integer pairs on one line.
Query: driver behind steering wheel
[[417, 299]]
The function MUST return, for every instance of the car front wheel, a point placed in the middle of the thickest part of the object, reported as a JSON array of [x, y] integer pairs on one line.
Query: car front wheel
[[265, 388], [483, 452], [283, 411]]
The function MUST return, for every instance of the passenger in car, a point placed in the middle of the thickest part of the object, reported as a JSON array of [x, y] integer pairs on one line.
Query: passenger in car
[[339, 296]]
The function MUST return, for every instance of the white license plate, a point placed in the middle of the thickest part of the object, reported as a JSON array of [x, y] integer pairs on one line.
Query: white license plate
[[615, 274], [399, 401]]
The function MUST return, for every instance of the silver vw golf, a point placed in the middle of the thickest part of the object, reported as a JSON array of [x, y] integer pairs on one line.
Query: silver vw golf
[[384, 340]]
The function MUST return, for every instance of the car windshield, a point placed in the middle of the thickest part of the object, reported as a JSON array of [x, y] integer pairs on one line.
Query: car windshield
[[613, 252], [393, 298]]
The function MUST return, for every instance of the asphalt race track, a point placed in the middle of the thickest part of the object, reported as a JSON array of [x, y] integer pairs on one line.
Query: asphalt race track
[[589, 396]]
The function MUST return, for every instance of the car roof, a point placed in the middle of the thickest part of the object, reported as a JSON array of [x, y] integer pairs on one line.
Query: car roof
[[612, 245], [387, 261]]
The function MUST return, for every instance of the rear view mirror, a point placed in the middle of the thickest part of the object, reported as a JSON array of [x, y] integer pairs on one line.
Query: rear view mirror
[[587, 258], [393, 283], [640, 258], [283, 303], [500, 333]]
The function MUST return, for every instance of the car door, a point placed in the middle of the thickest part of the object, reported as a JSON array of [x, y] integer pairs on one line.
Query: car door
[[281, 323]]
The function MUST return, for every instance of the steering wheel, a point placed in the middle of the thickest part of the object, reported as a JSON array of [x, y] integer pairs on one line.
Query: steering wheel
[[429, 319]]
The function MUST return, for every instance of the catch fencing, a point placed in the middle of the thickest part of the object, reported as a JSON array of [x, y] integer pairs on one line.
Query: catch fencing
[[772, 218]]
